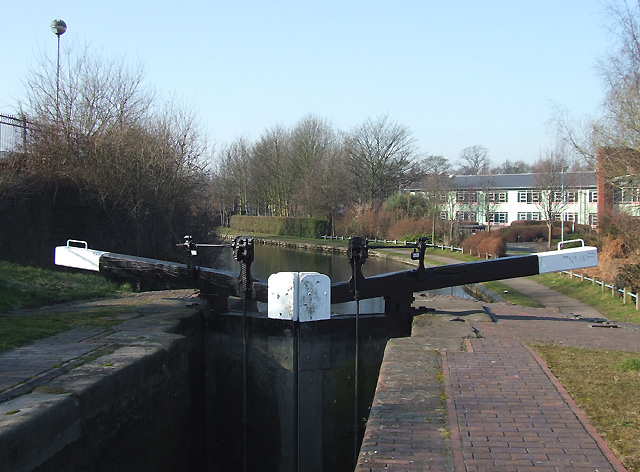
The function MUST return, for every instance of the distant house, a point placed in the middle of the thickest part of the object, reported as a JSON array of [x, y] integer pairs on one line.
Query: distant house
[[499, 200]]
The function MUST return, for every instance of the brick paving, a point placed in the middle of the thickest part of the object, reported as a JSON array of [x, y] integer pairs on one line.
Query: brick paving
[[408, 420], [505, 410], [512, 417]]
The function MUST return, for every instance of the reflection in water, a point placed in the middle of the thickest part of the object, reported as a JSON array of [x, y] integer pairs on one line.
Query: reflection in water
[[270, 259]]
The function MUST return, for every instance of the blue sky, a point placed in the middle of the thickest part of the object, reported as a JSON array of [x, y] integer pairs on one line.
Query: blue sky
[[456, 73]]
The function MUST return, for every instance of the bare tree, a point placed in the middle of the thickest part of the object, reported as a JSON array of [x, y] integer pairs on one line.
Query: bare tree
[[231, 184], [271, 167], [613, 139], [509, 167], [318, 154], [436, 185], [551, 185], [474, 160], [381, 156], [109, 138]]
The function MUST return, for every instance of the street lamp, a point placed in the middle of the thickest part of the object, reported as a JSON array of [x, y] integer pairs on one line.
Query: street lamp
[[58, 27]]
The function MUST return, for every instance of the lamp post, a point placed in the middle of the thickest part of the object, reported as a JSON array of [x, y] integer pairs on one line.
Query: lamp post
[[564, 205], [58, 27]]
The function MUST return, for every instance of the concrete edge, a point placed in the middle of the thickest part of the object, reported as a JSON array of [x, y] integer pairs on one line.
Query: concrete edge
[[52, 416], [452, 417], [40, 413]]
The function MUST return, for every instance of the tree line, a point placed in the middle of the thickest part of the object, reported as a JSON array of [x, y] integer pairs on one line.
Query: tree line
[[106, 159], [138, 172]]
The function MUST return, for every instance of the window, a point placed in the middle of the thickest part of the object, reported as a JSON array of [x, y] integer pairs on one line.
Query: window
[[571, 197], [528, 196], [593, 197], [466, 216], [497, 197], [567, 216], [593, 219], [498, 217], [529, 216], [467, 197], [625, 195], [444, 215]]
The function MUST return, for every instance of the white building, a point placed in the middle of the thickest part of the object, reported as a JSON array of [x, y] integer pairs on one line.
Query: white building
[[504, 198]]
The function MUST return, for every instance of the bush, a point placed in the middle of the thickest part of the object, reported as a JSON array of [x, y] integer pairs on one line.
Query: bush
[[365, 220], [311, 228], [629, 277], [409, 229], [486, 243], [528, 232]]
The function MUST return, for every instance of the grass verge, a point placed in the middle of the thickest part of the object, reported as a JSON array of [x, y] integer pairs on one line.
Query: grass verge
[[604, 384], [592, 295], [16, 331], [28, 287], [511, 295]]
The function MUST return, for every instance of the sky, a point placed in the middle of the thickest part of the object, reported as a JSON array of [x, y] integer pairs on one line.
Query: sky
[[456, 73]]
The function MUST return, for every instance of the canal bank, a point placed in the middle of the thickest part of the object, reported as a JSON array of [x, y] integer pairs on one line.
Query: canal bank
[[399, 262], [128, 398], [461, 393]]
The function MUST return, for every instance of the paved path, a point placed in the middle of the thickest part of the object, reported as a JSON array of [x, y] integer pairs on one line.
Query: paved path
[[551, 298], [505, 410], [30, 366]]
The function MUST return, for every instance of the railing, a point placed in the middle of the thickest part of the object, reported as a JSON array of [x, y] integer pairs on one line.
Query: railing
[[616, 292], [13, 134], [396, 242]]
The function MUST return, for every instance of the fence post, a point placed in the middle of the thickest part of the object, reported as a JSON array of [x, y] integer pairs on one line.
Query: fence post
[[594, 279], [602, 286], [581, 277], [624, 296], [637, 301], [613, 290]]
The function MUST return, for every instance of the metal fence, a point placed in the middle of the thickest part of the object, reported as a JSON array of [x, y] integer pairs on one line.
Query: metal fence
[[13, 134], [624, 294], [396, 242]]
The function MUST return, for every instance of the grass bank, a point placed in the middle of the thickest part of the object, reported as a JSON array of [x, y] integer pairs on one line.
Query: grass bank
[[28, 287], [604, 384]]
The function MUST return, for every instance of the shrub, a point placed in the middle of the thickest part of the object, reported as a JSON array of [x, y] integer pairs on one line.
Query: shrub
[[409, 229], [629, 277], [278, 226], [528, 232], [366, 220], [483, 243]]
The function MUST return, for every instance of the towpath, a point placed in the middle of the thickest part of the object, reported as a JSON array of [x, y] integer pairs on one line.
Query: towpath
[[27, 367], [465, 393]]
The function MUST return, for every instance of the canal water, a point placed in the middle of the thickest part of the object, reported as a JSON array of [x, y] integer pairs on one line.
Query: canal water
[[270, 259]]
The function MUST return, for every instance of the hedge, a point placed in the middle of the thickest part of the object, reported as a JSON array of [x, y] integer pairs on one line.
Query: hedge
[[278, 226]]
